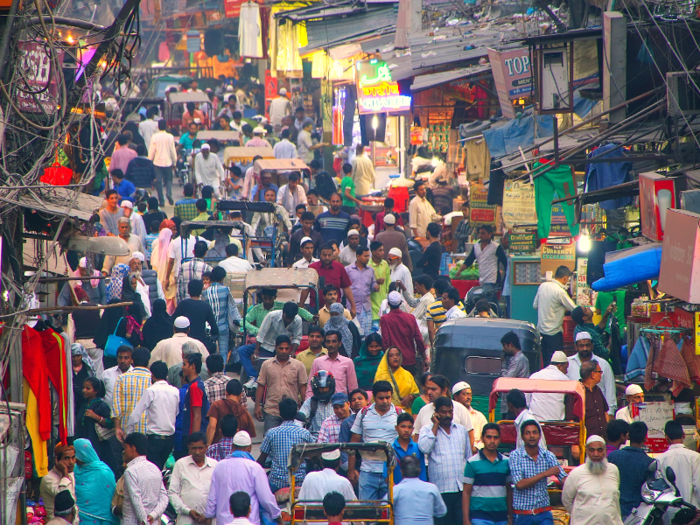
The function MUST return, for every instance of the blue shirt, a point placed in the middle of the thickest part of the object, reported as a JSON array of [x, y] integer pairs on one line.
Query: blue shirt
[[332, 227], [417, 501], [254, 192], [522, 466], [278, 443], [126, 190], [400, 453], [632, 462]]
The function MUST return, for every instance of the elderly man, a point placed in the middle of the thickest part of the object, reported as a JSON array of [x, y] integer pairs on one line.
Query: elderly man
[[347, 255], [462, 394], [415, 500], [208, 170], [143, 289], [399, 271], [94, 287], [65, 511], [591, 493], [596, 406], [317, 484], [150, 277], [550, 407], [138, 227], [175, 373], [392, 238], [634, 394], [584, 353], [170, 350], [133, 242]]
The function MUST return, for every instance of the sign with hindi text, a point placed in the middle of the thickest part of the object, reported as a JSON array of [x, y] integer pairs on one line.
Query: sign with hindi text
[[376, 91]]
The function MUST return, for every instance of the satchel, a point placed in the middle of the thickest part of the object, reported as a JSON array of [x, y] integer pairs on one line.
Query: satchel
[[114, 342], [103, 433]]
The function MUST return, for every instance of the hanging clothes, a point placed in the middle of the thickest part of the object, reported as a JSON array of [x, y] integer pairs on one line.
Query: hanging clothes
[[560, 182], [692, 361], [670, 364], [478, 159], [604, 175], [250, 31], [286, 39], [54, 353], [35, 371], [33, 423], [638, 358]]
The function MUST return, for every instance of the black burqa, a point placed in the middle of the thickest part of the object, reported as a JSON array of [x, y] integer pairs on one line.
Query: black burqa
[[159, 326]]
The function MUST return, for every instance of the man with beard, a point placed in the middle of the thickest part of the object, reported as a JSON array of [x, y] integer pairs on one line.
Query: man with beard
[[584, 349], [399, 271], [591, 493]]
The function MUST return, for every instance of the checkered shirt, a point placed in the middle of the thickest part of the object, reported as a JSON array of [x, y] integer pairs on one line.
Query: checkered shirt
[[278, 443], [222, 304], [447, 455], [220, 450], [522, 466], [216, 387], [128, 390], [330, 430], [189, 271], [186, 209]]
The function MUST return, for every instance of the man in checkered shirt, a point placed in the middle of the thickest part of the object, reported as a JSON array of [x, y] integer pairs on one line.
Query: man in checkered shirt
[[186, 208], [216, 384], [530, 467], [192, 270], [330, 428], [128, 390]]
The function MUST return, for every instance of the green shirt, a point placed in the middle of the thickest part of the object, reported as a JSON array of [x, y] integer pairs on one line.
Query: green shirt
[[347, 182], [255, 315], [488, 480], [201, 217], [381, 271], [605, 299]]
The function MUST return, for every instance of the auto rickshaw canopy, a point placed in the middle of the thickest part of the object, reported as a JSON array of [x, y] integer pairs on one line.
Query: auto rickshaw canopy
[[279, 278], [541, 386]]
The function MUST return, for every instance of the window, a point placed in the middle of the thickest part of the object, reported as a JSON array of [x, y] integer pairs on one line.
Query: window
[[483, 365]]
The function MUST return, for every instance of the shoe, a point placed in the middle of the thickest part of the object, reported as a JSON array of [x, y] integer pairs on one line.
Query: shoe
[[170, 200], [252, 383]]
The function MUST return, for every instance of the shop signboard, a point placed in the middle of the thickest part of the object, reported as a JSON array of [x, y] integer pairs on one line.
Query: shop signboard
[[522, 243], [556, 255], [559, 226], [480, 212], [36, 65], [518, 204], [376, 91], [512, 74], [655, 414], [232, 8], [657, 194], [680, 258]]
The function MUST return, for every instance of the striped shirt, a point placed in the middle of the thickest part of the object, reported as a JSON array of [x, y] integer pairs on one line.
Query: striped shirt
[[447, 455], [332, 227], [190, 271], [437, 313], [222, 304], [488, 500], [127, 392]]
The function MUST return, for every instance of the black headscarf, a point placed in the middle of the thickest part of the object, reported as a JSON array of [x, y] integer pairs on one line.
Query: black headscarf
[[136, 310], [159, 326]]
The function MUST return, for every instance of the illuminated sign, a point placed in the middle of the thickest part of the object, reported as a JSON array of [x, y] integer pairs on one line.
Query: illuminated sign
[[377, 92]]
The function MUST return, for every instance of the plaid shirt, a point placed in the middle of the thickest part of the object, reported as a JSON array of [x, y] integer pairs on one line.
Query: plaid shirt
[[186, 209], [257, 313], [278, 443], [447, 455], [522, 466], [222, 304], [220, 450], [216, 386], [189, 271], [330, 430], [128, 390]]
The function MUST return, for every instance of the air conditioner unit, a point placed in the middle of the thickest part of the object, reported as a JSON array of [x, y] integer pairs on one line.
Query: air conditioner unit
[[683, 97]]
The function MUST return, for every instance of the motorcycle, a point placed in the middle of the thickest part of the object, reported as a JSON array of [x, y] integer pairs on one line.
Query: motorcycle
[[488, 292], [657, 497]]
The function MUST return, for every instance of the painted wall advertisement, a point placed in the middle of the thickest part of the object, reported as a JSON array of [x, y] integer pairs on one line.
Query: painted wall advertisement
[[376, 91], [36, 64], [512, 74]]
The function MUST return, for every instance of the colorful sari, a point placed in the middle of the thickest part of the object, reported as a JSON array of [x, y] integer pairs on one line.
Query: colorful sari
[[366, 366], [94, 486], [402, 382]]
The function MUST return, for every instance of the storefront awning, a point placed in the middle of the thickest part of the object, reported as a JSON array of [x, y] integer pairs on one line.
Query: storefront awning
[[436, 79]]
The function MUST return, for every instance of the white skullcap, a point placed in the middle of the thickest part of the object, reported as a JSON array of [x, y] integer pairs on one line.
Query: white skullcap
[[305, 240], [390, 219], [205, 146], [394, 298], [633, 390], [82, 263], [283, 91], [395, 252], [242, 439], [229, 88], [182, 322], [558, 357], [139, 256], [331, 456], [353, 232], [595, 439], [259, 130], [459, 387], [582, 336], [127, 204]]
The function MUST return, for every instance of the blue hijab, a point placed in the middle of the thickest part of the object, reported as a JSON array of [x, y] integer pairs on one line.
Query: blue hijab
[[94, 486]]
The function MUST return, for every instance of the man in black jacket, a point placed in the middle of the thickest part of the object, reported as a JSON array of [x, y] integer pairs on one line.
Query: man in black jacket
[[140, 170]]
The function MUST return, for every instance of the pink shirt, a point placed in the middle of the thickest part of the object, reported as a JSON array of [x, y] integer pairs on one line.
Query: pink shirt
[[257, 142], [343, 370], [121, 158]]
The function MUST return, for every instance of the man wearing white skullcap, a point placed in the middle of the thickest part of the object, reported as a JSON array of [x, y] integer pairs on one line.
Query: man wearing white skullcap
[[399, 271], [138, 227], [401, 330], [462, 394], [550, 407], [591, 493], [634, 394], [363, 283], [280, 107], [317, 484], [170, 350], [307, 254], [347, 255], [584, 353], [208, 170], [95, 287]]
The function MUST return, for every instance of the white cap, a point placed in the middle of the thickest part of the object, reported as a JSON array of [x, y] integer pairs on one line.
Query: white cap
[[139, 256], [559, 357], [182, 322], [205, 146], [395, 252], [258, 130], [459, 387], [595, 439], [633, 390], [283, 91], [332, 455], [82, 263], [394, 298], [197, 120], [242, 439], [229, 88], [305, 240], [390, 219], [127, 204], [582, 336], [353, 232]]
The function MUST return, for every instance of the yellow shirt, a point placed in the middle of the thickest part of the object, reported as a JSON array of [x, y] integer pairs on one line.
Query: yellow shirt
[[324, 315], [307, 357]]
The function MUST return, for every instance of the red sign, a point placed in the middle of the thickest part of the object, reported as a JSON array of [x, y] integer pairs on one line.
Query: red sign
[[232, 8], [36, 65], [656, 195]]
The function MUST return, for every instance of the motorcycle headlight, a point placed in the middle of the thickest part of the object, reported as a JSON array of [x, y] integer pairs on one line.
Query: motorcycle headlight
[[649, 495]]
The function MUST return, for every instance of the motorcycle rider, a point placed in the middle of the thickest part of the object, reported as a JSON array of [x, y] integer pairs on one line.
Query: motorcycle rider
[[318, 407]]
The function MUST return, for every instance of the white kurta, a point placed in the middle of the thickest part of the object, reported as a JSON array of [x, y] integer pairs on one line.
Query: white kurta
[[403, 274], [317, 484], [593, 499], [547, 407], [250, 32], [686, 465]]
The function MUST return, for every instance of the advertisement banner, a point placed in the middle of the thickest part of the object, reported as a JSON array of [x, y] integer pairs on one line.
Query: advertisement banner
[[36, 65], [480, 212], [518, 204], [376, 91], [512, 75]]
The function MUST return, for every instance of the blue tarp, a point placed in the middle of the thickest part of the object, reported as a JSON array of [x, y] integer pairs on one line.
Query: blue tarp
[[638, 266], [519, 132]]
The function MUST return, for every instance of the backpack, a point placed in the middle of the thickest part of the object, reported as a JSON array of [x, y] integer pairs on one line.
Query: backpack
[[325, 185]]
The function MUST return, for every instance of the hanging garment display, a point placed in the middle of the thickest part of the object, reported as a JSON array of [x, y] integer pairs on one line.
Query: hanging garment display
[[478, 159], [54, 353], [286, 39], [560, 182], [604, 175], [250, 31]]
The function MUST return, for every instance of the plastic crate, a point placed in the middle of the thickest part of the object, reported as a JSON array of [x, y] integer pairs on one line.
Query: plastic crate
[[568, 328]]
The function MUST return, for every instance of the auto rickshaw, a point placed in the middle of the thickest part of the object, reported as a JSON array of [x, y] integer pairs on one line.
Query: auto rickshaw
[[355, 511], [177, 103], [279, 168], [244, 155], [187, 226]]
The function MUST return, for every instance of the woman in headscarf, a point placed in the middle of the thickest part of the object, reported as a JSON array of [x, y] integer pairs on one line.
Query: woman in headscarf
[[159, 262], [119, 273], [82, 369], [94, 486], [405, 388], [93, 413], [129, 295], [367, 362], [338, 323], [158, 327]]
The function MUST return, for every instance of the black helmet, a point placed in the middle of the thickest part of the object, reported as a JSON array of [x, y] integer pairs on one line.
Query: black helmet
[[323, 379]]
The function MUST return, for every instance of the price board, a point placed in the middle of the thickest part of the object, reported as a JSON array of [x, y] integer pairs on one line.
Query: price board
[[522, 243], [480, 212], [655, 414]]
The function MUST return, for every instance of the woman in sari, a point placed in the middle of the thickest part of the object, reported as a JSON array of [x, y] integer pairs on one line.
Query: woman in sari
[[94, 413], [367, 362], [159, 262], [405, 388], [94, 486]]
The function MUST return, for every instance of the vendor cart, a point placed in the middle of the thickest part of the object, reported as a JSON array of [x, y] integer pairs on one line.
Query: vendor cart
[[373, 511]]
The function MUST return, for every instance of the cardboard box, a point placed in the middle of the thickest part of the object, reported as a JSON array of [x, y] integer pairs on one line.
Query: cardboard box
[[680, 258]]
